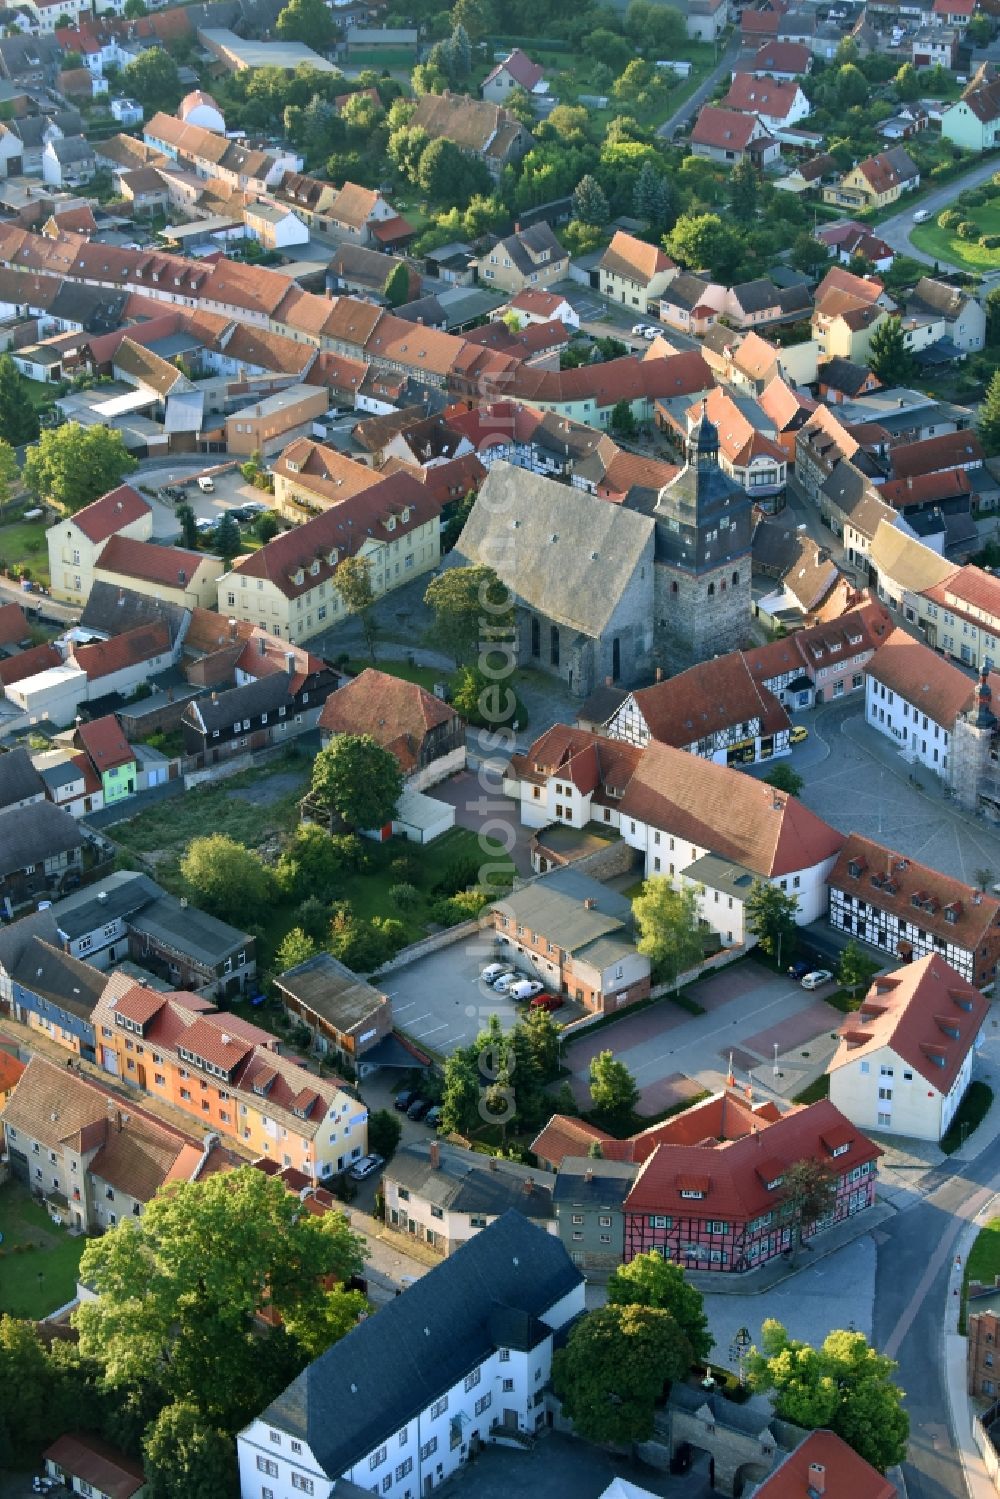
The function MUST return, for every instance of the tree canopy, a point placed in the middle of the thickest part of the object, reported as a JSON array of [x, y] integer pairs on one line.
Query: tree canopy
[[74, 465], [614, 1367], [306, 21], [771, 914], [228, 879], [612, 1089], [353, 581], [669, 931], [651, 1280], [470, 606], [888, 356], [358, 779], [18, 418], [154, 80]]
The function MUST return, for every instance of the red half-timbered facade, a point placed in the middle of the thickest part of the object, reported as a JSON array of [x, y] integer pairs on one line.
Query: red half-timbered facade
[[718, 1205]]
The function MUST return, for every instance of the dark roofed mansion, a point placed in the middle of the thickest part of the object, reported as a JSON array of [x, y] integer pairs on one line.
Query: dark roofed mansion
[[409, 1395]]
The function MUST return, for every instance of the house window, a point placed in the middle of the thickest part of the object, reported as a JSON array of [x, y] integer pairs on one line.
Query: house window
[[471, 1380], [267, 1465], [377, 1458], [299, 1482]]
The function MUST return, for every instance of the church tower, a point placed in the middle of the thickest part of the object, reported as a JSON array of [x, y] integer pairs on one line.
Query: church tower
[[702, 582]]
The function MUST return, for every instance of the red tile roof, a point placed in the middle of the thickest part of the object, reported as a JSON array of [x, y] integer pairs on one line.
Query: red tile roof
[[949, 450], [28, 664], [724, 129], [821, 1452], [925, 489], [920, 676], [782, 57], [853, 634], [170, 567], [634, 259], [105, 743], [734, 1174], [588, 760], [118, 508], [925, 1012], [13, 626], [104, 1468], [102, 657], [11, 1072], [397, 714], [706, 698], [519, 65], [767, 96]]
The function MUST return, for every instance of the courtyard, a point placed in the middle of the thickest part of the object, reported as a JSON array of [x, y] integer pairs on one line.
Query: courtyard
[[38, 1259], [558, 1465]]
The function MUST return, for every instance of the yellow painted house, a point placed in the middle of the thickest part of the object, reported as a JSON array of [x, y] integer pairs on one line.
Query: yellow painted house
[[76, 543], [877, 181]]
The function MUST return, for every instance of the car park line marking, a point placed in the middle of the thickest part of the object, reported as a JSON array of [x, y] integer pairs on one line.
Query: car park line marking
[[400, 1008], [417, 1018], [435, 1030]]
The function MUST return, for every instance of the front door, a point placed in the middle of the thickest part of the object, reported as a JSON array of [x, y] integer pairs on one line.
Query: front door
[[510, 1419]]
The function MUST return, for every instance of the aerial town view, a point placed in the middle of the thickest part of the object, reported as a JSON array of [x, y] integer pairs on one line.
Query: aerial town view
[[500, 749]]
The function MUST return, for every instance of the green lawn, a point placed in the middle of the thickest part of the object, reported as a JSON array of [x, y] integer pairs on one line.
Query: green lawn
[[166, 830], [36, 1279], [23, 543], [815, 1091], [970, 1113], [945, 245], [424, 676], [983, 1262]]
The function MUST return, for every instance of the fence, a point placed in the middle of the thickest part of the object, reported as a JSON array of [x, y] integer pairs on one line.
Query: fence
[[982, 1427]]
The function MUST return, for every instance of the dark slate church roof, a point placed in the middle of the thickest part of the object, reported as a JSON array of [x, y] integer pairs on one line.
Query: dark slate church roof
[[703, 516], [491, 1293]]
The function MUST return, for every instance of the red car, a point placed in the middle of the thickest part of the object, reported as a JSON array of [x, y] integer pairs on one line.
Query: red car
[[547, 1002]]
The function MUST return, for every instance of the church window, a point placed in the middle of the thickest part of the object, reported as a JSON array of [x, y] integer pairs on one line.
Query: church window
[[673, 586], [736, 580], [711, 589]]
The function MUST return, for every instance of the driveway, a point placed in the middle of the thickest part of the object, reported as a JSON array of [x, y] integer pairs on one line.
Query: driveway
[[748, 1012], [857, 781], [896, 231], [480, 807], [231, 490], [727, 63]]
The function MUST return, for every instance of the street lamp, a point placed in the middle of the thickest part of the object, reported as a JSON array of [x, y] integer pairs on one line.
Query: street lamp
[[776, 1059], [739, 1348]]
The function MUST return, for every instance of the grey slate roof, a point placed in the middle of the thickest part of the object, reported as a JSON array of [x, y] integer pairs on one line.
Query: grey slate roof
[[111, 610], [843, 375], [28, 835], [84, 911], [554, 906], [248, 701], [467, 1182], [845, 487], [53, 974], [18, 778], [529, 529], [392, 1366], [188, 930], [756, 296], [15, 938], [586, 1181], [332, 991], [95, 308]]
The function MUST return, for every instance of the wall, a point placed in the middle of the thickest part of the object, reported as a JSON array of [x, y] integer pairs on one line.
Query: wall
[[922, 742], [909, 1112]]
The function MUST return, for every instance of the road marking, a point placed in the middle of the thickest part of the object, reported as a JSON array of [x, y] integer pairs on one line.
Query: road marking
[[417, 1018], [408, 1006], [960, 1217], [433, 1031]]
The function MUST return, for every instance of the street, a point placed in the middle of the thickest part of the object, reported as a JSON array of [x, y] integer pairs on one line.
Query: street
[[896, 231], [726, 64]]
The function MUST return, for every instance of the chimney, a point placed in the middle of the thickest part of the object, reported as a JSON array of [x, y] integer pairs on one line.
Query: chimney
[[588, 1175], [435, 1156], [817, 1478], [659, 673], [290, 663]]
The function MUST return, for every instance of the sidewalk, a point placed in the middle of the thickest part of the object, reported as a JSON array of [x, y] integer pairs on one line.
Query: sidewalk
[[977, 1479], [755, 1282]]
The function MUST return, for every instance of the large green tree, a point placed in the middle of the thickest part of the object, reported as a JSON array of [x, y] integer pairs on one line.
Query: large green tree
[[353, 581], [807, 1195], [703, 241], [472, 610], [651, 1280], [186, 1457], [855, 968], [229, 880], [989, 417], [615, 1366], [10, 475], [179, 1292], [153, 79], [771, 914], [612, 1089], [590, 203], [447, 175], [73, 465], [844, 1385], [669, 931], [306, 21], [18, 418], [358, 779], [888, 356]]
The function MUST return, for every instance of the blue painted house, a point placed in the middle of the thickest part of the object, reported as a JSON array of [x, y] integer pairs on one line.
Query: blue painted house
[[55, 993]]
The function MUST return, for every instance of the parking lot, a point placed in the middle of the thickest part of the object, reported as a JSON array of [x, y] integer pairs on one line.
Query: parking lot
[[230, 490], [441, 1001]]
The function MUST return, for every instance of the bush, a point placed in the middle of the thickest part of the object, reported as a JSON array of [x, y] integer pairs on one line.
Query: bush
[[458, 876], [406, 867], [967, 230], [461, 907], [949, 219], [404, 897], [990, 241]]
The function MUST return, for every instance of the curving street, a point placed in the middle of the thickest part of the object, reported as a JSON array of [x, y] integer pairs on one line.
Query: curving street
[[896, 230]]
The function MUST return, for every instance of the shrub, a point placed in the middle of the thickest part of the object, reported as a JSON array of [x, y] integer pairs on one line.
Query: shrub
[[406, 867], [972, 197], [967, 230], [404, 897], [458, 876], [949, 219], [461, 907], [990, 241]]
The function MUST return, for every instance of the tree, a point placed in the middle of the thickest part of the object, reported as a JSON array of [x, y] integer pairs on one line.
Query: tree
[[744, 191], [979, 30], [888, 356], [590, 206], [612, 1089], [153, 79], [771, 914], [854, 968], [474, 16], [447, 175], [397, 286], [358, 779], [989, 417], [462, 1092], [184, 1455], [295, 948], [405, 146], [10, 474], [667, 920], [384, 1133], [227, 879], [622, 422], [134, 10], [844, 1385], [226, 538], [650, 1280], [992, 326], [807, 1195], [188, 522], [179, 1292], [983, 878], [851, 86], [460, 50], [353, 581], [701, 241], [73, 465], [306, 21], [907, 84], [613, 1369], [267, 527], [808, 254], [784, 778], [18, 418], [470, 606]]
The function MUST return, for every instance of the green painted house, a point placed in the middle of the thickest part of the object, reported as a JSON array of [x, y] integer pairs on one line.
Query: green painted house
[[111, 756], [974, 120]]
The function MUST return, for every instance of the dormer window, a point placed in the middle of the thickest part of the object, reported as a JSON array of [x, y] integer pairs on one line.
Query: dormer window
[[840, 1150], [293, 468], [406, 515], [331, 557], [298, 576], [692, 1195], [772, 1186], [314, 566], [951, 915], [390, 524]]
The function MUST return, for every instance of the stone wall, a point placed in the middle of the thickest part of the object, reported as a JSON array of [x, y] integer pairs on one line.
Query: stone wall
[[693, 625]]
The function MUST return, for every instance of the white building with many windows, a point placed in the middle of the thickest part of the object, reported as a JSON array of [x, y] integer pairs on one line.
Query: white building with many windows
[[905, 1057], [411, 1394], [914, 696]]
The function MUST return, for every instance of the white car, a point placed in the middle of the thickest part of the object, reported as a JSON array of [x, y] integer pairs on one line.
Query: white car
[[205, 484], [817, 978], [365, 1167], [505, 982], [650, 333], [921, 216], [494, 971], [524, 990], [639, 330]]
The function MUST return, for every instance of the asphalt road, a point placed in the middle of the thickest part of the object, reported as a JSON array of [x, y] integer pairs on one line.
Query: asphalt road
[[896, 231], [722, 69]]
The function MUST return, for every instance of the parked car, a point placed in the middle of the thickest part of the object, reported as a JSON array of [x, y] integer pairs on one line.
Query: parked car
[[799, 734], [547, 1002], [365, 1167], [494, 971], [253, 508], [433, 1117], [638, 330], [524, 989], [205, 484], [817, 978], [649, 333], [505, 982], [403, 1100], [921, 216], [419, 1109], [799, 970]]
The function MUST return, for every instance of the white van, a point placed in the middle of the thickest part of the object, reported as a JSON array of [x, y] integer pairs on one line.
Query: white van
[[921, 216], [205, 484]]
